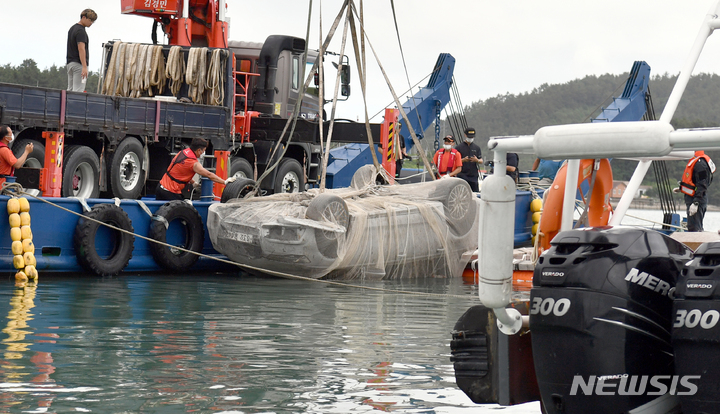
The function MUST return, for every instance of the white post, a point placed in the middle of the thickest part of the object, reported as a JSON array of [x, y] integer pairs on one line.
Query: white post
[[571, 184]]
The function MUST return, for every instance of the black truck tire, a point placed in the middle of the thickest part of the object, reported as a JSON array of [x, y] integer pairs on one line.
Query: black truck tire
[[81, 172], [86, 232], [127, 177], [328, 208], [36, 158], [237, 189], [241, 168], [289, 178], [167, 257]]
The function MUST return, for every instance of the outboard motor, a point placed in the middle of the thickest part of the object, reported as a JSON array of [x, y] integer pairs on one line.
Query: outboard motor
[[600, 318], [696, 331]]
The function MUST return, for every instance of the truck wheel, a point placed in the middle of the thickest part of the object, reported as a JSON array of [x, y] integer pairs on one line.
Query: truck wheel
[[241, 168], [328, 208], [127, 177], [36, 158], [289, 177], [237, 189], [81, 171]]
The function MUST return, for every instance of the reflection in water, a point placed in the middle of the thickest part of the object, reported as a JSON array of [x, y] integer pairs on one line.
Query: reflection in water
[[161, 343]]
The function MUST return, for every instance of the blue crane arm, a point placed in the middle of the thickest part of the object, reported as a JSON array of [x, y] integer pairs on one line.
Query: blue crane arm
[[631, 105], [422, 109]]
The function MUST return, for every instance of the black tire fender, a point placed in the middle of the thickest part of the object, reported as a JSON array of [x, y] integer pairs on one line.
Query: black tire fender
[[237, 189], [328, 208], [192, 223], [126, 176], [86, 232], [290, 177], [81, 165]]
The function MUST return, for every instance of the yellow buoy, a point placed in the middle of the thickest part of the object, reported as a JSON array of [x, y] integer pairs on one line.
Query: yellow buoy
[[21, 276], [534, 229], [13, 206], [28, 246], [14, 220], [24, 204], [18, 261], [536, 205], [31, 272], [25, 232], [15, 234], [16, 247], [24, 218], [536, 217], [29, 259]]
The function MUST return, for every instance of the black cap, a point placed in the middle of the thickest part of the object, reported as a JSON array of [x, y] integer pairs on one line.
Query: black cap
[[470, 132], [449, 138]]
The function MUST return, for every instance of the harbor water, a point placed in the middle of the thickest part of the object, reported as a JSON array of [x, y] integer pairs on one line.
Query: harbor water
[[232, 344]]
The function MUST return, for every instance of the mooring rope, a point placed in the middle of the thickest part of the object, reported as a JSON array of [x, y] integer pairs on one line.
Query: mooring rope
[[17, 189]]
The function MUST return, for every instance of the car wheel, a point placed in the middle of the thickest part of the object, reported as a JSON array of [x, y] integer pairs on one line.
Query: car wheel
[[458, 201], [81, 170], [289, 177], [328, 208], [127, 177], [237, 189]]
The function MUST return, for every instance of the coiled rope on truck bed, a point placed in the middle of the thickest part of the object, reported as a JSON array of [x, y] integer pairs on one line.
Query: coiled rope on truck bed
[[111, 75], [175, 69], [196, 74], [157, 71], [215, 82]]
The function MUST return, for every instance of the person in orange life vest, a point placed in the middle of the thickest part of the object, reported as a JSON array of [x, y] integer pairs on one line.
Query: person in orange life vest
[[8, 162], [182, 169], [696, 178], [447, 159]]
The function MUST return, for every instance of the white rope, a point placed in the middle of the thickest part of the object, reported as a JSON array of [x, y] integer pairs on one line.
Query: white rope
[[112, 72], [157, 71], [175, 69], [216, 78], [197, 74]]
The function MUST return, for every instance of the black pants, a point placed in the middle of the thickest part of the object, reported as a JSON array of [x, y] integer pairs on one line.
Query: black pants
[[695, 222], [163, 194], [473, 183]]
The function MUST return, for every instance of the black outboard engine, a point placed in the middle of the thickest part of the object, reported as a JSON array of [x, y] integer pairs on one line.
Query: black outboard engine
[[600, 318], [696, 332]]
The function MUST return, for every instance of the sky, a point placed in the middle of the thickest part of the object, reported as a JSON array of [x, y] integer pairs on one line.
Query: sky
[[500, 46]]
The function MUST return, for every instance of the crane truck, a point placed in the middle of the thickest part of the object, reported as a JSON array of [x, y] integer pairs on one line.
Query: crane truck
[[120, 142]]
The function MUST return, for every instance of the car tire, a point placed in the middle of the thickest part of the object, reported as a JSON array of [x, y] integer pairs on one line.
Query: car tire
[[127, 177], [458, 201], [289, 178], [167, 257], [241, 168], [237, 189], [122, 242], [328, 208], [81, 172]]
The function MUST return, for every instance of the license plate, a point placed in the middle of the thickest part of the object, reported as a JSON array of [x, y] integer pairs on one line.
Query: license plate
[[243, 237]]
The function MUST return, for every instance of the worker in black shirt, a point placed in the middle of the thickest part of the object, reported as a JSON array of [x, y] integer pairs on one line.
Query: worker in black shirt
[[513, 161], [696, 178], [471, 158]]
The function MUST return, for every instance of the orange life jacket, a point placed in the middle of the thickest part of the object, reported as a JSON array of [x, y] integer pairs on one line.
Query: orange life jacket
[[687, 186], [451, 161], [184, 161]]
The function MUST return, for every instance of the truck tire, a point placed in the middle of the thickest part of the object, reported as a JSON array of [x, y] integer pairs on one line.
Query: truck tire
[[127, 177], [458, 201], [36, 158], [237, 189], [241, 168], [328, 208], [290, 178], [81, 172]]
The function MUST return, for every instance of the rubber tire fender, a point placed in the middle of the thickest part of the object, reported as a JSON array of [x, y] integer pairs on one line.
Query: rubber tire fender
[[237, 189], [287, 166], [126, 146], [84, 240], [328, 208], [195, 235], [241, 168], [36, 159], [75, 156], [457, 198]]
